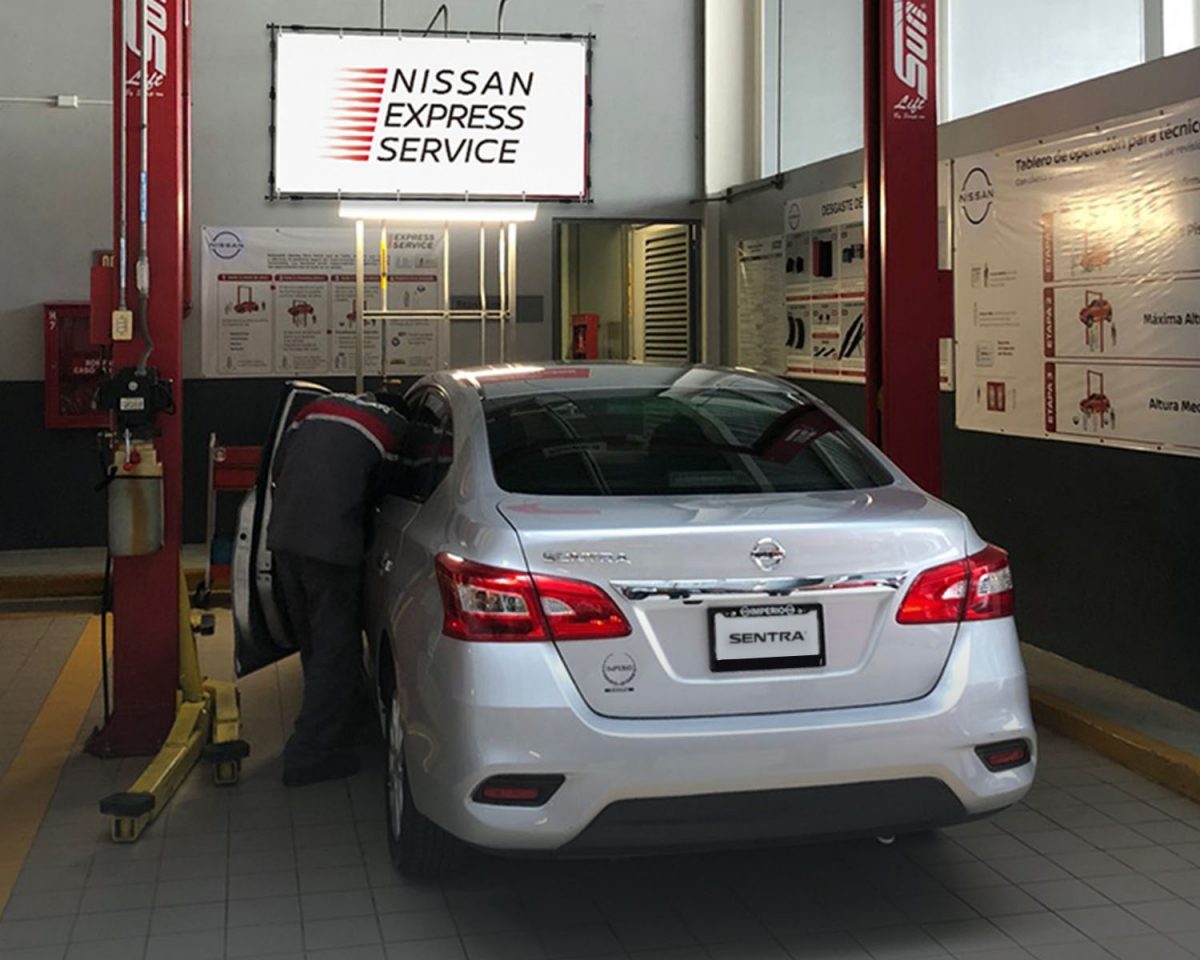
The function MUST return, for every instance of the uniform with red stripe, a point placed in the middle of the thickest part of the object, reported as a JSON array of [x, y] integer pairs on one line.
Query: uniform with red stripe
[[328, 473]]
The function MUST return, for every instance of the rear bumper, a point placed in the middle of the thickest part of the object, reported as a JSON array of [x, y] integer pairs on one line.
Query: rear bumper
[[482, 710], [881, 808]]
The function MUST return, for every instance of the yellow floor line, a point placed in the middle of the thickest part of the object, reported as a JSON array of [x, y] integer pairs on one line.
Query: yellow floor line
[[28, 785]]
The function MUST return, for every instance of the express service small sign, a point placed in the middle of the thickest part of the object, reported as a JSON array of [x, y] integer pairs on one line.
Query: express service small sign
[[430, 116]]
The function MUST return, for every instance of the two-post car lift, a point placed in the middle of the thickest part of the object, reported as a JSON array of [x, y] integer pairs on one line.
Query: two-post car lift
[[162, 706]]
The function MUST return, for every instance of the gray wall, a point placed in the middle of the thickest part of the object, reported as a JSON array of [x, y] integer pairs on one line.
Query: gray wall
[[55, 193], [55, 164], [645, 121], [1102, 539], [821, 82]]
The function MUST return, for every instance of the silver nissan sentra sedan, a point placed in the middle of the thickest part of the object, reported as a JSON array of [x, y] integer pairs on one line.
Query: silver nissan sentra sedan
[[615, 608]]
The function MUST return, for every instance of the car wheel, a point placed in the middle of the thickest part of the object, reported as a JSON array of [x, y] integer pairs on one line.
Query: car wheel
[[419, 848]]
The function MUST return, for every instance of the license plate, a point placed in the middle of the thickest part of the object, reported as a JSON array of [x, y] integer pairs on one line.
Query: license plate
[[767, 636]]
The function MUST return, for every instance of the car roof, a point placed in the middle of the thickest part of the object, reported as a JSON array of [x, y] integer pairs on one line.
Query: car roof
[[519, 380]]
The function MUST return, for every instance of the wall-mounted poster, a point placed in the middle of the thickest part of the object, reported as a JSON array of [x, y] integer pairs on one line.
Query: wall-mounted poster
[[413, 345], [824, 279], [761, 326], [1077, 285], [282, 301]]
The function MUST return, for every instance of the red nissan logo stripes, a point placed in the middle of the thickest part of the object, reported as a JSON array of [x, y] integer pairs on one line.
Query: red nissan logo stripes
[[355, 113]]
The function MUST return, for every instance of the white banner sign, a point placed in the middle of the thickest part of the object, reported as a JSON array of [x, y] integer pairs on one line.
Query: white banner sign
[[434, 116], [761, 326], [824, 274], [282, 302], [1077, 286]]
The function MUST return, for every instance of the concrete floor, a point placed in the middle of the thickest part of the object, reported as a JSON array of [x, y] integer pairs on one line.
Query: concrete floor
[[1096, 863]]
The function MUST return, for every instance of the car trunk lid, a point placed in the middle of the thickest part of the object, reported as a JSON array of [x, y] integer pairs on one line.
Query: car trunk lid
[[806, 623]]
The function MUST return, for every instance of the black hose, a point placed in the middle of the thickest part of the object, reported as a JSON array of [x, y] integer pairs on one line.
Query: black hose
[[108, 476], [105, 607], [144, 331], [500, 18]]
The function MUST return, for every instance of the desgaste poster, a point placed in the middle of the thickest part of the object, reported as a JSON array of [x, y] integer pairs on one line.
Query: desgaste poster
[[1077, 285], [282, 301], [825, 285]]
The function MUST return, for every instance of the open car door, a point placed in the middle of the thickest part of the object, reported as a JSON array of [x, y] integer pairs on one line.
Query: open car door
[[261, 631]]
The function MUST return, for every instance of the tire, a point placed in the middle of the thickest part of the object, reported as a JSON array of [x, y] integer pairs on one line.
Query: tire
[[419, 848]]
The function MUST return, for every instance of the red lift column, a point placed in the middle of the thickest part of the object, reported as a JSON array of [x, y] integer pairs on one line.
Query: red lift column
[[146, 589], [900, 182]]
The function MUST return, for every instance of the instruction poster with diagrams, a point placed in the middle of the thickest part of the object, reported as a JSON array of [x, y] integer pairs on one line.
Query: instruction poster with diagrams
[[825, 285], [1077, 285], [283, 301]]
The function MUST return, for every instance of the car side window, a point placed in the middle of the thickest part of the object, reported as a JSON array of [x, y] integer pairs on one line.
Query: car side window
[[427, 450]]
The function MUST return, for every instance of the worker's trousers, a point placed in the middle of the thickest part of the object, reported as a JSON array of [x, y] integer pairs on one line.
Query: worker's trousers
[[324, 604]]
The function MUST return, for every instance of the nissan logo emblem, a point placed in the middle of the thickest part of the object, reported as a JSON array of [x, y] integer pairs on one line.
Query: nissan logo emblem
[[977, 196], [767, 553]]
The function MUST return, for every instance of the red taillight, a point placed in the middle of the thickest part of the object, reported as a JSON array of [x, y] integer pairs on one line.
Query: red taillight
[[492, 604], [977, 588], [991, 594], [579, 611], [487, 603], [936, 596]]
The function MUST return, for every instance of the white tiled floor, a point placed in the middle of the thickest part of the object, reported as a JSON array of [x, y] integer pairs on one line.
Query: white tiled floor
[[1098, 863]]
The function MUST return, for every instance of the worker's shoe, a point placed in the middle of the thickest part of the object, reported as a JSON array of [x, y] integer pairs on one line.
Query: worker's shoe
[[336, 766]]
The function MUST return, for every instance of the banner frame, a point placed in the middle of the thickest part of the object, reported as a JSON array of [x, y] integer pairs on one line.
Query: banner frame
[[588, 40]]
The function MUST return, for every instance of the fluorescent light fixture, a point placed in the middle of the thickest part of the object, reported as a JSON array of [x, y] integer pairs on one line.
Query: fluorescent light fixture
[[456, 212]]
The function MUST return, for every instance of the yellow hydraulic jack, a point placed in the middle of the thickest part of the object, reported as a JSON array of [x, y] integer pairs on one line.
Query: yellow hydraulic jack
[[207, 724]]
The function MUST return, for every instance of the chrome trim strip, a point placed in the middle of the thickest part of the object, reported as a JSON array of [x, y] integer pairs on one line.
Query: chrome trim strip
[[771, 586]]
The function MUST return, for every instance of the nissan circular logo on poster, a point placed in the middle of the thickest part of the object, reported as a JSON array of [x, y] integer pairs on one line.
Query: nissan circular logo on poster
[[977, 196], [225, 245], [793, 215], [448, 117]]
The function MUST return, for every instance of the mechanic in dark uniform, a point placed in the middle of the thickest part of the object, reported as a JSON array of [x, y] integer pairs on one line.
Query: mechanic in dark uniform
[[330, 469]]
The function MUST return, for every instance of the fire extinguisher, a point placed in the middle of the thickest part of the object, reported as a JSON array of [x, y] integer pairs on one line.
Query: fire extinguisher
[[585, 329]]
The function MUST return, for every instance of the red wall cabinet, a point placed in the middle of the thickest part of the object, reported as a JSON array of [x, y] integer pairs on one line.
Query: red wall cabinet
[[75, 367]]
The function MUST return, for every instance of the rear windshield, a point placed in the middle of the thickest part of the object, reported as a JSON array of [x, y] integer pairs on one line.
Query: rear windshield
[[645, 442]]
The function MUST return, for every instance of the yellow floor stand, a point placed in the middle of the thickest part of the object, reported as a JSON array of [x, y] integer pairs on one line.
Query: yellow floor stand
[[207, 724]]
